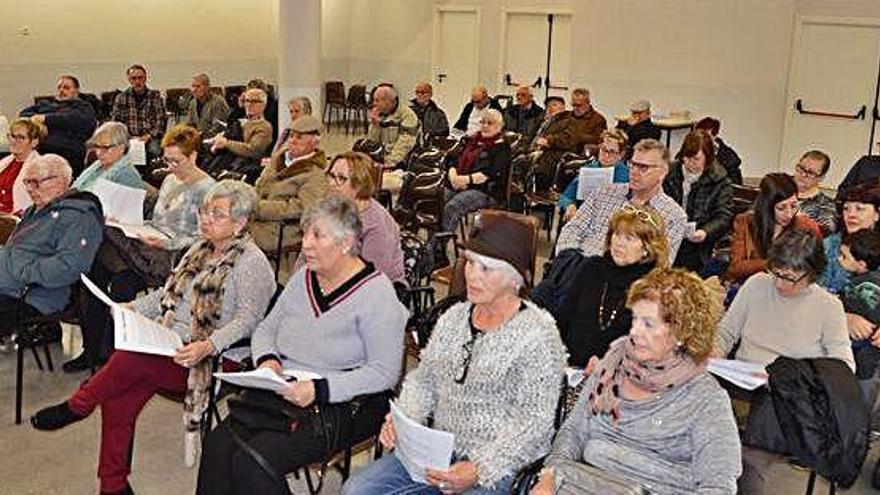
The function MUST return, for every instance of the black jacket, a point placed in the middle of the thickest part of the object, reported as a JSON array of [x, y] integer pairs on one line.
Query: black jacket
[[729, 160], [493, 162], [643, 130], [432, 117], [462, 122], [524, 122], [70, 124], [866, 169]]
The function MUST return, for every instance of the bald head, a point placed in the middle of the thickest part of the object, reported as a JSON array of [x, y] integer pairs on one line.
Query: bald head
[[424, 92], [480, 96]]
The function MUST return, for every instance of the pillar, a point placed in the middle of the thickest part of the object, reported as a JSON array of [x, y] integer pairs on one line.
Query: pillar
[[299, 55]]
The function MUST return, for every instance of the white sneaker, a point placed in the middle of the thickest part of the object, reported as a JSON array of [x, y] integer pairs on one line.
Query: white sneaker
[[192, 446]]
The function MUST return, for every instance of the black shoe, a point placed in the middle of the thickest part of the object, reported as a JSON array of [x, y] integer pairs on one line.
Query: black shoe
[[54, 417], [77, 364]]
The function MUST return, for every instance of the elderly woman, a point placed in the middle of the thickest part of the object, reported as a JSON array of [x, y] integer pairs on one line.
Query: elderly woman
[[24, 137], [650, 415], [700, 185], [775, 212], [783, 312], [214, 297], [861, 210], [110, 142], [337, 318], [297, 107], [130, 262], [594, 313], [612, 149], [490, 375], [479, 178], [808, 175]]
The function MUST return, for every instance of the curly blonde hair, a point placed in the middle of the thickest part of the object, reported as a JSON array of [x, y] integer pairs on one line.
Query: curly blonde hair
[[688, 305], [645, 223]]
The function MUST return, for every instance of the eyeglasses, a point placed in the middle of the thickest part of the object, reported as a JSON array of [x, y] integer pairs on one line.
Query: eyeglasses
[[642, 215], [171, 161], [35, 183], [249, 100], [104, 147], [788, 278], [214, 214], [468, 348], [641, 167], [337, 179], [807, 172], [17, 137], [605, 149]]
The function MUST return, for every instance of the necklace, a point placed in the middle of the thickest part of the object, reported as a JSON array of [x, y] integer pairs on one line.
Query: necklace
[[603, 322]]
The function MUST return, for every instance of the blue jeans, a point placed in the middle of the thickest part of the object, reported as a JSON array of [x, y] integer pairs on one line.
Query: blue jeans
[[387, 476]]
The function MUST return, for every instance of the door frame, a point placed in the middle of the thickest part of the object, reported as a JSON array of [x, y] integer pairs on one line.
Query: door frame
[[794, 66], [439, 10], [506, 12]]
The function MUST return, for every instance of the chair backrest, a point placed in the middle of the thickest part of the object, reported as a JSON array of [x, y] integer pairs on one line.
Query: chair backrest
[[357, 96], [108, 97], [334, 92], [7, 225], [173, 99], [743, 198], [420, 204], [231, 93]]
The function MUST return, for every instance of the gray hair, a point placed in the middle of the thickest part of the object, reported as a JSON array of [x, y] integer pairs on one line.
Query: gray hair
[[493, 116], [341, 216], [257, 93], [304, 102], [242, 197], [385, 93], [49, 164], [203, 78], [651, 145], [115, 132]]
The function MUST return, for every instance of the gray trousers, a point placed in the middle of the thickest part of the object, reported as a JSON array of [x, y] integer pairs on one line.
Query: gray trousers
[[460, 203]]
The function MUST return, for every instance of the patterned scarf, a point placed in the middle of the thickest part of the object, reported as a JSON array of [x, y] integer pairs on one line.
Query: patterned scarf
[[618, 364], [471, 153], [207, 277]]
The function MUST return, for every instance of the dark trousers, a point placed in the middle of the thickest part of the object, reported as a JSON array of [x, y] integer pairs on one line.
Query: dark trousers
[[10, 312], [225, 469]]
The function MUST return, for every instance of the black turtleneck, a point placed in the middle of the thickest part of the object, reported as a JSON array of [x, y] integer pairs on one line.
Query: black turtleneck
[[600, 283]]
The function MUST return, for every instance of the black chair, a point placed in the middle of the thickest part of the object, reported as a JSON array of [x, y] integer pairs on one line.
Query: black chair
[[356, 108], [334, 102]]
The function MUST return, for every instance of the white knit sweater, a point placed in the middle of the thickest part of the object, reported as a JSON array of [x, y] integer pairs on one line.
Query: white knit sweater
[[502, 415]]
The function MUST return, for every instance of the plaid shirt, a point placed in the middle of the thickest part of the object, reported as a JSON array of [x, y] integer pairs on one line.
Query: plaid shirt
[[587, 230], [148, 118]]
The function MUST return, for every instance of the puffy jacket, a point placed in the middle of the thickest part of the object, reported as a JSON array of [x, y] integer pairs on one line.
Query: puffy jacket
[[523, 121], [397, 132], [70, 124], [432, 118], [50, 248]]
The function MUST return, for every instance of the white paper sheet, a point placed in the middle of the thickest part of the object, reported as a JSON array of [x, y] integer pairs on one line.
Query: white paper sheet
[[593, 178], [122, 203], [741, 373], [135, 332], [419, 447], [574, 376], [266, 379], [137, 152], [690, 228], [138, 231]]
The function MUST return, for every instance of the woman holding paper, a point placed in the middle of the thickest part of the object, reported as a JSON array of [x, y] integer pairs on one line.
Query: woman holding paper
[[612, 149], [24, 137], [110, 142], [650, 415], [338, 317], [214, 297], [490, 375]]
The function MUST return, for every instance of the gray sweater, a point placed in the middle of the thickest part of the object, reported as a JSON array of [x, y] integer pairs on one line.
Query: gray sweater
[[684, 441], [246, 295], [354, 340], [502, 415]]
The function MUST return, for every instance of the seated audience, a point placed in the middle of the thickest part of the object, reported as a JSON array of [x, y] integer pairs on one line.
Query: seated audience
[[244, 153], [861, 210], [724, 154], [650, 416], [70, 121], [297, 107], [700, 185], [479, 179], [808, 175], [611, 151], [860, 257], [775, 211], [24, 138], [214, 297], [525, 115], [553, 138], [292, 182], [432, 118], [338, 318], [142, 110], [110, 143], [469, 120], [490, 375], [393, 125], [127, 265], [782, 312], [594, 312], [648, 167], [206, 109], [638, 125], [588, 124], [270, 112]]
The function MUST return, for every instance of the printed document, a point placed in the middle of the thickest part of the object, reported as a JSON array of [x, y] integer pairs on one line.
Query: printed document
[[139, 231], [740, 373], [122, 203], [137, 151], [266, 379], [419, 447], [593, 178]]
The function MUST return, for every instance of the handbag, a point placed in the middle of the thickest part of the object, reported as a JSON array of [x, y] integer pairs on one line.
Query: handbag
[[262, 409], [579, 478]]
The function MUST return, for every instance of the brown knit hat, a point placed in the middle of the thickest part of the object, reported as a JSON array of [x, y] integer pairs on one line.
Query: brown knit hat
[[504, 239]]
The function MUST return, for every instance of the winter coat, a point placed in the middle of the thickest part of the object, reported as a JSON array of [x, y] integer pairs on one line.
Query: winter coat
[[397, 132], [432, 118], [523, 121], [70, 124]]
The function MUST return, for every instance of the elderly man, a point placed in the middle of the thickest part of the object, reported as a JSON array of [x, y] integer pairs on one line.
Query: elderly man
[[553, 138], [142, 110], [588, 123], [393, 125], [70, 121], [431, 117], [244, 155], [638, 125], [469, 119], [525, 116], [296, 108], [292, 182], [53, 244], [206, 108], [589, 227]]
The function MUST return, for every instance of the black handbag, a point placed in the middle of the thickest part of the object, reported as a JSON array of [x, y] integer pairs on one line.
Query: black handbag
[[262, 409]]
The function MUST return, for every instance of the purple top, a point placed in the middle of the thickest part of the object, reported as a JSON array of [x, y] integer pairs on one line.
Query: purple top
[[380, 241]]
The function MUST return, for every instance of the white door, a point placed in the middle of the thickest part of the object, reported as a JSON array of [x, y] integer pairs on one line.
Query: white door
[[455, 69], [526, 37], [834, 70]]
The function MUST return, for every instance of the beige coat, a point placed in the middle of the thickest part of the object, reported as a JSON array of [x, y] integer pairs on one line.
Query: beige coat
[[257, 139], [283, 194]]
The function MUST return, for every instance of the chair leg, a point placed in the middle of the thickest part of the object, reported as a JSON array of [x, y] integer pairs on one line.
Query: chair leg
[[37, 358], [346, 464], [811, 482], [19, 371], [48, 358]]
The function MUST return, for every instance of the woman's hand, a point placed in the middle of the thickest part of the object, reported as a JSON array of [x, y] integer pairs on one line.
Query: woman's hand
[[546, 484], [698, 236], [591, 365], [461, 476], [859, 327], [388, 435], [301, 393], [219, 142], [570, 212], [191, 354], [272, 365], [153, 241]]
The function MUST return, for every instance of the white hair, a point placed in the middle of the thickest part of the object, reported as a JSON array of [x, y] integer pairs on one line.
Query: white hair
[[49, 164], [492, 115]]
